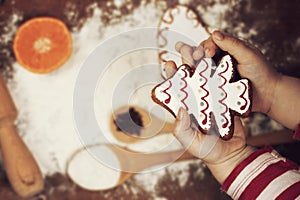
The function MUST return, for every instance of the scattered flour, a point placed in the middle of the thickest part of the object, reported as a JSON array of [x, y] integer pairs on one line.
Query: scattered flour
[[119, 3], [45, 101], [179, 171], [213, 16], [10, 28]]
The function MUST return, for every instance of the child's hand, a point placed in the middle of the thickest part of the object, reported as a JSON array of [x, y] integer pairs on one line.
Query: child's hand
[[270, 92], [220, 156], [251, 65]]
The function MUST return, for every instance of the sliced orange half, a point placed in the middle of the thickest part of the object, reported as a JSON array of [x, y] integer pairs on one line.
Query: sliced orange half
[[42, 44]]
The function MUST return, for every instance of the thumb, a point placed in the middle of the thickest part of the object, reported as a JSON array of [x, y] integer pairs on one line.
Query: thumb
[[233, 46], [170, 68], [196, 143], [183, 132], [239, 130]]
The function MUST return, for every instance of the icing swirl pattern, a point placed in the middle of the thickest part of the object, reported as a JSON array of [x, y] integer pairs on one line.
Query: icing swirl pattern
[[203, 98]]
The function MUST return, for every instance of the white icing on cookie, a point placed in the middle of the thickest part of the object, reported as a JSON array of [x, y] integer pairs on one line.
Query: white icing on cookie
[[183, 21], [203, 95]]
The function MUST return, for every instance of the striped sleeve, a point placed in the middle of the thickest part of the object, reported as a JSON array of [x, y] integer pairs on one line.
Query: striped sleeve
[[264, 175]]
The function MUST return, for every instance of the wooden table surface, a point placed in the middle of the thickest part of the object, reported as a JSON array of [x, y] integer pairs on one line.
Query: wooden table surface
[[278, 34]]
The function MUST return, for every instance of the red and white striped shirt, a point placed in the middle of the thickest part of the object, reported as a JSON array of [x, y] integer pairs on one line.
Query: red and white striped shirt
[[264, 175]]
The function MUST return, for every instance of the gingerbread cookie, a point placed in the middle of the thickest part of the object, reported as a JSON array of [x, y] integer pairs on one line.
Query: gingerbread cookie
[[204, 91]]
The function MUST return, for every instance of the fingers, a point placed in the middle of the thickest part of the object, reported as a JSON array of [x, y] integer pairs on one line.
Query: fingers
[[196, 143], [183, 132], [232, 45], [182, 125], [209, 47], [186, 52], [178, 46], [191, 54], [186, 55], [198, 53], [170, 68]]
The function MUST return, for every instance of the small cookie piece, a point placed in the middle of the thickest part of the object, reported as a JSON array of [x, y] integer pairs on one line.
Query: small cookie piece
[[204, 91]]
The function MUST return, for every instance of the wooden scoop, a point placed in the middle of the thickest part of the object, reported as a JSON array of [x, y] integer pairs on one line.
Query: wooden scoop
[[130, 163], [158, 126], [140, 162], [22, 170], [132, 124]]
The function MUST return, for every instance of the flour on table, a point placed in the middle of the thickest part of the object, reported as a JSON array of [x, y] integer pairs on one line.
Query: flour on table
[[44, 102]]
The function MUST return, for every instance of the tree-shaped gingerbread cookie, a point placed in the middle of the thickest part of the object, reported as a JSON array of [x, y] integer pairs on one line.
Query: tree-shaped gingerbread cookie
[[205, 94]]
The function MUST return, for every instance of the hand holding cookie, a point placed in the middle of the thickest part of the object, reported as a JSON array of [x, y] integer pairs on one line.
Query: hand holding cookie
[[220, 156], [271, 90], [251, 64]]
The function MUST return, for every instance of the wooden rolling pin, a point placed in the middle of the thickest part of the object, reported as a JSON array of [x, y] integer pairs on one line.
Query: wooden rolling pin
[[22, 170]]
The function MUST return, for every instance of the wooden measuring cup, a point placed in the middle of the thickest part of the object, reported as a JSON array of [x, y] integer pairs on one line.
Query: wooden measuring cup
[[22, 170]]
